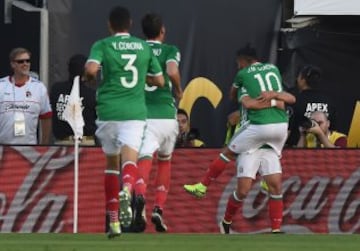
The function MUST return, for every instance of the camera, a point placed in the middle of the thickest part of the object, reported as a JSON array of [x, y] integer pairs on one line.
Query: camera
[[185, 139], [307, 123]]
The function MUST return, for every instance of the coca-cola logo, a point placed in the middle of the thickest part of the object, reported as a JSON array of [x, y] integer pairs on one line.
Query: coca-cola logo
[[32, 208], [336, 200]]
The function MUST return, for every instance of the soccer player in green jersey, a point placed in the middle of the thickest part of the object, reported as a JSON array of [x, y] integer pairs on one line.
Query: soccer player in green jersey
[[162, 127], [259, 141], [127, 63]]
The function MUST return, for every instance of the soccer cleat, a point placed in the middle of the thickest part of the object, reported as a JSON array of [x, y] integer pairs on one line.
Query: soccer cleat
[[125, 208], [157, 220], [277, 231], [114, 230], [198, 190], [139, 224], [224, 227], [264, 187]]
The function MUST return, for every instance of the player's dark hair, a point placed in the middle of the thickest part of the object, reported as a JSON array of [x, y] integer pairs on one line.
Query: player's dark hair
[[151, 25], [120, 19], [311, 74], [183, 112], [247, 52]]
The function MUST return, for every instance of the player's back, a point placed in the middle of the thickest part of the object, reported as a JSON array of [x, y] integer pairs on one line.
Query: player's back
[[125, 62], [159, 101], [257, 78]]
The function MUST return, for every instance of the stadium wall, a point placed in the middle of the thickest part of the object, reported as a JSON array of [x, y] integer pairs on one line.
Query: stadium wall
[[321, 192], [207, 38]]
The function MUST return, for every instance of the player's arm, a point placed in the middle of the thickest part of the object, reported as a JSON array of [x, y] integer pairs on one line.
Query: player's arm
[[234, 118], [172, 70], [93, 64], [256, 104], [281, 96], [155, 76], [155, 80], [91, 69], [233, 93]]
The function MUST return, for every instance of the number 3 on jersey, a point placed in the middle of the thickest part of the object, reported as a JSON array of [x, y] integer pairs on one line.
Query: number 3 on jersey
[[130, 67]]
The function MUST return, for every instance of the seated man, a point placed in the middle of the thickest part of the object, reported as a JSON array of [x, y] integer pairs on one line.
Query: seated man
[[187, 137], [318, 133]]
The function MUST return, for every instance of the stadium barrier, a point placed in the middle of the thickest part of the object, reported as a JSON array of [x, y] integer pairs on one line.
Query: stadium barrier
[[321, 192]]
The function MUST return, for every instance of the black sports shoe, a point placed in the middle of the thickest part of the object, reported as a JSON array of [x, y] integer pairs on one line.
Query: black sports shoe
[[224, 227], [156, 218], [139, 224]]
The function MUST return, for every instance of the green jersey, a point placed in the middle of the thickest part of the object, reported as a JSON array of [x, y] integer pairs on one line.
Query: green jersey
[[253, 80], [159, 101], [125, 62]]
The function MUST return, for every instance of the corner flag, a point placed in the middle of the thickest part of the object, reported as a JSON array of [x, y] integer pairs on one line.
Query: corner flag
[[73, 115], [73, 110]]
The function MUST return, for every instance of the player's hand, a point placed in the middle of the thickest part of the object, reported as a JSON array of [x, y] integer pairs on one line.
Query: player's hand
[[178, 94], [267, 95]]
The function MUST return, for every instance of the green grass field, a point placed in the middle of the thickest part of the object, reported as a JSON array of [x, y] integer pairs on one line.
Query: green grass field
[[174, 242]]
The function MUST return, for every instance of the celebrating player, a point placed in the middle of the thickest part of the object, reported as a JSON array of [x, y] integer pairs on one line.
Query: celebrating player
[[259, 141], [121, 108], [162, 128]]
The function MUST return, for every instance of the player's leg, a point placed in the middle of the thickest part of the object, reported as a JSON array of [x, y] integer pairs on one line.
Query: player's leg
[[247, 166], [145, 165], [214, 170], [111, 184], [106, 133], [130, 137], [162, 183], [162, 186], [129, 176], [243, 140], [272, 171], [272, 174], [149, 146]]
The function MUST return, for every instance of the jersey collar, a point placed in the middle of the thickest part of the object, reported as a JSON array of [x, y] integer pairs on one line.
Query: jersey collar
[[122, 34], [154, 41]]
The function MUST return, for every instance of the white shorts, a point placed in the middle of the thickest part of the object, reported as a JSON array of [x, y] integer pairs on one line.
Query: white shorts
[[160, 135], [251, 137], [115, 134], [264, 160]]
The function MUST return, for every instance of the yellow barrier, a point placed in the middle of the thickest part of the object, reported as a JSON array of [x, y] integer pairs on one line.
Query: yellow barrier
[[354, 132]]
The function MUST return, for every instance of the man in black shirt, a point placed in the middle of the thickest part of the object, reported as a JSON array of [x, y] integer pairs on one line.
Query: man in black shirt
[[59, 95]]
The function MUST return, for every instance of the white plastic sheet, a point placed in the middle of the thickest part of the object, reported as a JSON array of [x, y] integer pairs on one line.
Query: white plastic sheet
[[326, 7]]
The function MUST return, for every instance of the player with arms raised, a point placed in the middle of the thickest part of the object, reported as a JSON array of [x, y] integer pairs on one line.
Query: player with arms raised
[[162, 126], [121, 109]]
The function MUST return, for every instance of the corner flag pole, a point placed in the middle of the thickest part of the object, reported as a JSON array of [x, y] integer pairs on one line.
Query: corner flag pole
[[76, 184], [73, 115]]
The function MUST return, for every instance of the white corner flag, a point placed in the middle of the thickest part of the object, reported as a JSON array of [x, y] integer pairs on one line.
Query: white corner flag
[[73, 110], [73, 115]]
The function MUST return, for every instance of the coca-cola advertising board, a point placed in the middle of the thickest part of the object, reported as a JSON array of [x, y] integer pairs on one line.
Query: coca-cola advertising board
[[320, 188]]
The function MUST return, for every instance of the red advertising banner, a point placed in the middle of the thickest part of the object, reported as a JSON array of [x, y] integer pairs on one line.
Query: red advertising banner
[[321, 192]]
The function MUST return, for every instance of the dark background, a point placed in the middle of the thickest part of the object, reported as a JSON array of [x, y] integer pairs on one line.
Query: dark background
[[208, 33]]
